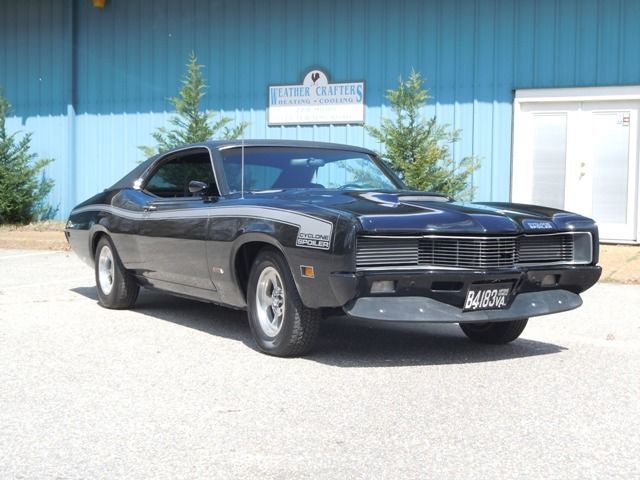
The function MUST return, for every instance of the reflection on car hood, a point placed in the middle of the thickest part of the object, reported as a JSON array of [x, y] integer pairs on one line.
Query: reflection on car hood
[[419, 212]]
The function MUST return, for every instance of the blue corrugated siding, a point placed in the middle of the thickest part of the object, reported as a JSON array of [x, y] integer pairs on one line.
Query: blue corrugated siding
[[127, 59]]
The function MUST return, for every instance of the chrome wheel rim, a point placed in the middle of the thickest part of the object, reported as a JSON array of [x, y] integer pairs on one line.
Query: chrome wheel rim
[[270, 301], [106, 270]]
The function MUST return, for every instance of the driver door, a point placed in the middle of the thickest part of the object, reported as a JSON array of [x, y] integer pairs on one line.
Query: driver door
[[172, 235]]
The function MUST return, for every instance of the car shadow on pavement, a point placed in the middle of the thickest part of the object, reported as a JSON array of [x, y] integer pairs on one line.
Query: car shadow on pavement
[[344, 342], [372, 344], [206, 317]]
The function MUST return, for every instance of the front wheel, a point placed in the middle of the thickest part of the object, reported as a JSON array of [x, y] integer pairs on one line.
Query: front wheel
[[281, 325], [116, 287], [494, 332]]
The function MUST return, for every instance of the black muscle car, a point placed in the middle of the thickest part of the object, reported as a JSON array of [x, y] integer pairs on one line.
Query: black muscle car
[[292, 231]]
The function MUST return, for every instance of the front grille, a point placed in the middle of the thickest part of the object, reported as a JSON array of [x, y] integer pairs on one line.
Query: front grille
[[385, 251], [466, 252], [545, 249]]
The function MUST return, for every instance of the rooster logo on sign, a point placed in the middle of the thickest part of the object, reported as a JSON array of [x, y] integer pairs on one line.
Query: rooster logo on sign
[[315, 76]]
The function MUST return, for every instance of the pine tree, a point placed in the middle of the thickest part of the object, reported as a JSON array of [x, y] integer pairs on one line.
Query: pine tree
[[190, 125], [23, 186], [418, 148]]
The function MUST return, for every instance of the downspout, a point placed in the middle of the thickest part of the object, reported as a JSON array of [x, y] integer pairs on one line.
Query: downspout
[[71, 66]]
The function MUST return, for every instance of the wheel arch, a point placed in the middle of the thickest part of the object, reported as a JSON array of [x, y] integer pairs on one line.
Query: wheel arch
[[244, 254], [97, 232]]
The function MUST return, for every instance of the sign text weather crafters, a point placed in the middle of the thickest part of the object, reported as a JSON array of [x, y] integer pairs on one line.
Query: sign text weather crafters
[[316, 101]]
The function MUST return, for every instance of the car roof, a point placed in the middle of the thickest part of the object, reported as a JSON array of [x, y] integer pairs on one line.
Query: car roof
[[222, 144]]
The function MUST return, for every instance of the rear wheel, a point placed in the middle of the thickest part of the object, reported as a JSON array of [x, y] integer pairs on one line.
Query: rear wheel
[[494, 332], [116, 287], [281, 325]]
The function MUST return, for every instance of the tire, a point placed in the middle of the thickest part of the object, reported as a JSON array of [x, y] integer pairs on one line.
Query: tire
[[280, 323], [116, 287], [496, 333]]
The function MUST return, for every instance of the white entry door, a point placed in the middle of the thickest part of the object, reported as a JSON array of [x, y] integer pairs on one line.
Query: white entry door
[[580, 156]]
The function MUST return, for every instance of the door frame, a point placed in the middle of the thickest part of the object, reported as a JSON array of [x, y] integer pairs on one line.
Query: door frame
[[540, 96]]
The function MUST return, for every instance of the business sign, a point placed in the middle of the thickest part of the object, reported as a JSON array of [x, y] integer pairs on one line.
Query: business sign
[[316, 101]]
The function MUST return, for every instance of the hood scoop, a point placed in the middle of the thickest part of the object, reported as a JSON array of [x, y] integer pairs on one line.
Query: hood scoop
[[427, 197], [394, 199]]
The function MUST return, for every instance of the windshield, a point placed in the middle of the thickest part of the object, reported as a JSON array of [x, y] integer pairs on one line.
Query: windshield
[[276, 168]]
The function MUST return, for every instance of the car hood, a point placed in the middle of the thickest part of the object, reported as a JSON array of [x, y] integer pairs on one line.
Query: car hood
[[420, 212]]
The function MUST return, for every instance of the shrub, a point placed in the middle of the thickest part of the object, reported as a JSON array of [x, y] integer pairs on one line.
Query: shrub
[[23, 185], [190, 125], [418, 148]]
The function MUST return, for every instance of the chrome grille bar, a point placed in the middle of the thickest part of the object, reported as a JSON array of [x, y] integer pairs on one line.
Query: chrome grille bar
[[551, 248], [379, 251]]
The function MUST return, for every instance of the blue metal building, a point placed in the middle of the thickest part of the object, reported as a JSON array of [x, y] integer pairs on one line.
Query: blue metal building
[[93, 83]]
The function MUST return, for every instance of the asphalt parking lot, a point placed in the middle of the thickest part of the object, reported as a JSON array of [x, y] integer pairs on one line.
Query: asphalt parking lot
[[176, 389]]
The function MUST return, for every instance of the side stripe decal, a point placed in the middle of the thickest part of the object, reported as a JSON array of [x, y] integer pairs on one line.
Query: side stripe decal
[[313, 232]]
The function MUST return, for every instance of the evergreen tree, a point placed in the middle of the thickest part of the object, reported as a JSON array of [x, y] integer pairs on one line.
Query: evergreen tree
[[190, 125], [23, 186], [418, 148]]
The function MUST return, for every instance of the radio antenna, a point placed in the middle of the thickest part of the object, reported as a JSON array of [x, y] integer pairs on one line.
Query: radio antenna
[[242, 171]]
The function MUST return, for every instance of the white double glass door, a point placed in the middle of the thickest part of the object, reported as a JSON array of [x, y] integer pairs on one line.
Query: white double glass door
[[580, 156]]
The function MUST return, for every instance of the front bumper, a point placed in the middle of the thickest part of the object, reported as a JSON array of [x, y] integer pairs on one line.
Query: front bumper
[[438, 296]]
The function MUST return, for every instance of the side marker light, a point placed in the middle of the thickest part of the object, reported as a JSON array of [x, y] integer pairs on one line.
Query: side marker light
[[307, 271]]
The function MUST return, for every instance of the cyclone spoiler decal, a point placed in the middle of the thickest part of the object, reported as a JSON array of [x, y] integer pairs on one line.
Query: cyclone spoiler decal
[[314, 240]]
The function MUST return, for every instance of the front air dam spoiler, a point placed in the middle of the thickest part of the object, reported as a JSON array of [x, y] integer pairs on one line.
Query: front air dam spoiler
[[424, 309]]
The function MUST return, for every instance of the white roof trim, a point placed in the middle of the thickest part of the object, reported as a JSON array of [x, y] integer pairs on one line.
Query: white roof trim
[[580, 94]]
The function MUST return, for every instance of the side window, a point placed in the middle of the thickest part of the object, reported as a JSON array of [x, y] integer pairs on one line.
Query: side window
[[172, 178]]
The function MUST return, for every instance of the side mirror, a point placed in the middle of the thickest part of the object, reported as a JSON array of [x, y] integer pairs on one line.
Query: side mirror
[[196, 186]]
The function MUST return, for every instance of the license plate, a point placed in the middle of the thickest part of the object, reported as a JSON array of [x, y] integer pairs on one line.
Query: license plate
[[491, 296]]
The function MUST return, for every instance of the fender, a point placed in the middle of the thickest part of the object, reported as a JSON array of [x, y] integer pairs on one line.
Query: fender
[[313, 291], [94, 230], [233, 285]]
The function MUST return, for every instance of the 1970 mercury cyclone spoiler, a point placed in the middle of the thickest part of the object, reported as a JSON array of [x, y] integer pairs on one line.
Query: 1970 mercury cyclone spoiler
[[292, 231]]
